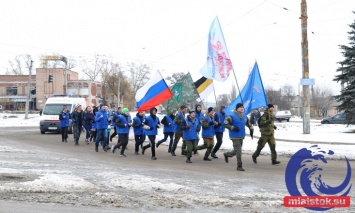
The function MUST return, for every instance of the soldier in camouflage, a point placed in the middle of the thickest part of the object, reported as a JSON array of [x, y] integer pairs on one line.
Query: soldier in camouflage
[[236, 124], [267, 135]]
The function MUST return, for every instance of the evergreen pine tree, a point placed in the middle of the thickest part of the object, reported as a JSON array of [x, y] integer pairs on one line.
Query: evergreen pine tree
[[347, 76]]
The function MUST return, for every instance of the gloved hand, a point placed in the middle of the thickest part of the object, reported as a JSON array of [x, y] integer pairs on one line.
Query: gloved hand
[[219, 124], [267, 122], [235, 128], [188, 127], [275, 127], [251, 134], [211, 123], [158, 126], [198, 129], [142, 124]]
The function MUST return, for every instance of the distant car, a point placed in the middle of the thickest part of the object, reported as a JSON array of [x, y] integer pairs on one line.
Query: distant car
[[283, 115], [336, 119]]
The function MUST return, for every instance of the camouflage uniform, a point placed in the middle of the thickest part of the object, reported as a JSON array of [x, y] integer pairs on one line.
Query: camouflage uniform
[[237, 141], [267, 134]]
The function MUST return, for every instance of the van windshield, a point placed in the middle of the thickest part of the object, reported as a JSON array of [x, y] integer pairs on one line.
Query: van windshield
[[54, 109]]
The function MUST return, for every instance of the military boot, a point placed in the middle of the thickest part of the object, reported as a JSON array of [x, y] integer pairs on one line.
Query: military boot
[[254, 159], [274, 162], [207, 159], [213, 155], [225, 157], [188, 160], [240, 168]]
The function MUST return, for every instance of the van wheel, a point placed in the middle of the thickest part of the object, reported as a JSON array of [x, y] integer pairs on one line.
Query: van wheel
[[288, 120], [280, 120], [42, 132]]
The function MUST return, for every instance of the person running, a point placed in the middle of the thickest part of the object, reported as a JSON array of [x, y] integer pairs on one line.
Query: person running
[[102, 121], [219, 118], [113, 122], [199, 117], [152, 121], [236, 124], [267, 135], [208, 126], [180, 116], [78, 121], [93, 131], [123, 124], [64, 117], [89, 118], [189, 128], [168, 122], [139, 136]]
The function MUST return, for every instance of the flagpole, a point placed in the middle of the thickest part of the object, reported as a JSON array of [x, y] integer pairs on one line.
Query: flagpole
[[215, 97], [241, 98]]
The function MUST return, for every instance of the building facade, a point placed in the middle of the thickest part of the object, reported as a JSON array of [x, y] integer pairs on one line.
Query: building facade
[[14, 88]]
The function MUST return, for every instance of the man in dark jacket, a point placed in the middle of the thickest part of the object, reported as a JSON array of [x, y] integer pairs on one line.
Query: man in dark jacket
[[267, 135], [78, 121]]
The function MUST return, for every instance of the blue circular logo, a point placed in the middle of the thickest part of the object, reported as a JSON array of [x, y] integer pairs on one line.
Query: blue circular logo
[[305, 165]]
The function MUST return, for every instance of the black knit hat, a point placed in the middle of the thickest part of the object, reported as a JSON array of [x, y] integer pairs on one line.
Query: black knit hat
[[270, 106], [210, 109], [238, 105]]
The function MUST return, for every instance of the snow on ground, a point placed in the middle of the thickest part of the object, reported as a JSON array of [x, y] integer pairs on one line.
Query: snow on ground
[[289, 135]]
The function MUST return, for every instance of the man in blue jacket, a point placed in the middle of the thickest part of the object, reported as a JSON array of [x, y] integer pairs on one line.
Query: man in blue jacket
[[219, 118], [64, 117], [168, 122], [236, 124], [152, 122], [102, 122], [208, 126], [189, 128], [139, 135], [123, 124]]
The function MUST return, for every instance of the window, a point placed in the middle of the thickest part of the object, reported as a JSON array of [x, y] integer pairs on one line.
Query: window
[[11, 90]]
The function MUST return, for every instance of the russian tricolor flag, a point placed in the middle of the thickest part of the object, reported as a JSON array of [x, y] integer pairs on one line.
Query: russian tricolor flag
[[153, 93]]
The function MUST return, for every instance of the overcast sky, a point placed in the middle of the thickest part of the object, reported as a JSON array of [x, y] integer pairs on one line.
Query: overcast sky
[[171, 35]]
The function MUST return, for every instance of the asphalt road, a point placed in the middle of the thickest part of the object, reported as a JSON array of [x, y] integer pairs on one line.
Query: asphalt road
[[39, 173]]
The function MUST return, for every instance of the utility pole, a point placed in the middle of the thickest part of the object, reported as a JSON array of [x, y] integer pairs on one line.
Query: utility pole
[[29, 91], [305, 69]]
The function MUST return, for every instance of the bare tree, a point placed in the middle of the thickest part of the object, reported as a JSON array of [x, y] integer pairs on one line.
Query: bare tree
[[322, 99], [222, 100], [273, 96], [139, 75], [233, 94], [287, 96], [175, 77], [93, 68], [20, 65]]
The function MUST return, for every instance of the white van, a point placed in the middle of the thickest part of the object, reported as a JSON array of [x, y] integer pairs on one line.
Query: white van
[[50, 113]]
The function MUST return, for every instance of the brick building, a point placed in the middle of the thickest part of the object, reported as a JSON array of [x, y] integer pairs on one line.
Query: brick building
[[14, 88]]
